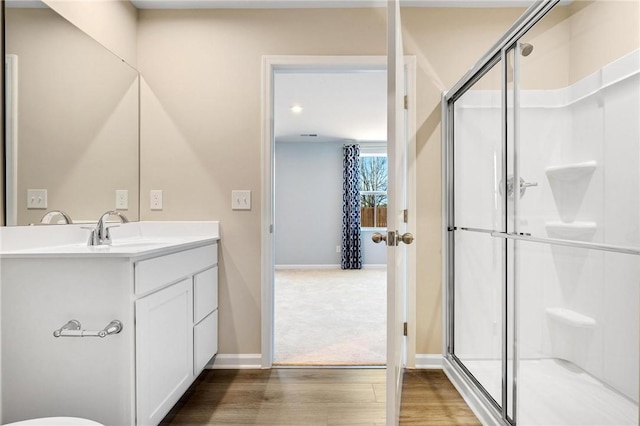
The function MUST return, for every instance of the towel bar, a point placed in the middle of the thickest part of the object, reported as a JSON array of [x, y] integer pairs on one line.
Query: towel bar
[[73, 329]]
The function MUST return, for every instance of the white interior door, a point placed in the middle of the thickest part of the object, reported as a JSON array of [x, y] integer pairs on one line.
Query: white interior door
[[396, 226]]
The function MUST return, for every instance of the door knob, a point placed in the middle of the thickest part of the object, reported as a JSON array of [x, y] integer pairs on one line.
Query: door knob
[[393, 239], [378, 237], [407, 238]]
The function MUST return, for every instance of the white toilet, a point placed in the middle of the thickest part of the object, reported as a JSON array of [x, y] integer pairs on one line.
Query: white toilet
[[56, 421]]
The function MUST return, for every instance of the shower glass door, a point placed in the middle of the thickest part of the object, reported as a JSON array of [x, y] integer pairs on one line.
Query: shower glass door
[[542, 237], [577, 268], [479, 259]]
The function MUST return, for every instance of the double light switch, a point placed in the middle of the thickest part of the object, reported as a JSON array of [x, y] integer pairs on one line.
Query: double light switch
[[241, 200]]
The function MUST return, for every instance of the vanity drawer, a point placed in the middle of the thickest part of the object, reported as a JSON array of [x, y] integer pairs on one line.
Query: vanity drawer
[[205, 293], [162, 270], [205, 342]]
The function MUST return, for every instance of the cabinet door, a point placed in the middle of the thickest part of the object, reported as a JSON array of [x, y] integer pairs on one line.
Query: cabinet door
[[164, 350]]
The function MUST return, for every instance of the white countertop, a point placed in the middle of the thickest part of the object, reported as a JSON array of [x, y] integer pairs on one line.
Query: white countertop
[[134, 239]]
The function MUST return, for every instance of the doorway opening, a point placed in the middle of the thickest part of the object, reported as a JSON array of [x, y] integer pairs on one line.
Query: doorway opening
[[329, 302], [273, 65]]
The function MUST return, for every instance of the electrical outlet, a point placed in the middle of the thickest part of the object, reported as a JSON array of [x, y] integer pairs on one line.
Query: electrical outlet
[[155, 197], [337, 249], [36, 198], [241, 200], [122, 199]]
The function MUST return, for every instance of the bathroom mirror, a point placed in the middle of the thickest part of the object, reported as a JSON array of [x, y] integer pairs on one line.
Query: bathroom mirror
[[72, 121]]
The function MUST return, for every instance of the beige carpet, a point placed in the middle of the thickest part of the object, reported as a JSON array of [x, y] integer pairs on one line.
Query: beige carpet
[[330, 317]]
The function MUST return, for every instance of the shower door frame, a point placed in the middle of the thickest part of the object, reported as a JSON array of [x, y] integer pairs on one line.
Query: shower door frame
[[476, 396]]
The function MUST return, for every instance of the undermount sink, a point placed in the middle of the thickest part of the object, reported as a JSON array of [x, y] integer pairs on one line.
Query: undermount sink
[[138, 245], [141, 243]]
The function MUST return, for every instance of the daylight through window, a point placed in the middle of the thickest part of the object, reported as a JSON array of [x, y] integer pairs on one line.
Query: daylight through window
[[373, 190]]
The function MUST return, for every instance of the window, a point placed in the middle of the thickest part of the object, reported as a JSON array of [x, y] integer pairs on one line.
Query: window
[[373, 190]]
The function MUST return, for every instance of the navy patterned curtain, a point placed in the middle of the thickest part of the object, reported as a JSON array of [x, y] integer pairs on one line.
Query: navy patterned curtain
[[351, 245]]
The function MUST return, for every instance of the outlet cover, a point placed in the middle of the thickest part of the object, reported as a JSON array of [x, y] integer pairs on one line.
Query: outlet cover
[[36, 198], [155, 197], [122, 199], [241, 200]]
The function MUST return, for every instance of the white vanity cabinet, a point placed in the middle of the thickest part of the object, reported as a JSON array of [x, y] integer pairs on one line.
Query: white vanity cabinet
[[166, 299], [172, 345]]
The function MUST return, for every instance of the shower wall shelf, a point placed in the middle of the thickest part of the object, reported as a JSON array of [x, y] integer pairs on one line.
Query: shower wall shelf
[[571, 172], [571, 230], [571, 318]]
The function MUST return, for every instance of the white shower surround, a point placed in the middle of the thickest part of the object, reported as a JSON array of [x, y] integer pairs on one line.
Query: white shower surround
[[601, 286]]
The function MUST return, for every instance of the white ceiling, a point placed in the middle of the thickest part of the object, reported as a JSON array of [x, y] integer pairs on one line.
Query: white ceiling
[[336, 106]]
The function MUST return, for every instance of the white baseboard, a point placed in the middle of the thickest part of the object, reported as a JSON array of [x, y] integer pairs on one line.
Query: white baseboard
[[236, 362], [375, 266], [282, 267], [367, 266], [429, 361], [254, 361]]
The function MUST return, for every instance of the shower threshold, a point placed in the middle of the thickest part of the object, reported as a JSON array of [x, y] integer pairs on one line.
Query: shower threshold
[[556, 392]]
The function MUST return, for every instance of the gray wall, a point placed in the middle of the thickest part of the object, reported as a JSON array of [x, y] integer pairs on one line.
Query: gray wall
[[373, 254], [308, 198]]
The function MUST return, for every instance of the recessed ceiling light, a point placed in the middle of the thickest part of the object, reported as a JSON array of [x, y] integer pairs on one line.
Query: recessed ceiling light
[[296, 109]]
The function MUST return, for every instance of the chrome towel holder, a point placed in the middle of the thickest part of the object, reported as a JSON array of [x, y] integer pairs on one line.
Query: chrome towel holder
[[73, 329]]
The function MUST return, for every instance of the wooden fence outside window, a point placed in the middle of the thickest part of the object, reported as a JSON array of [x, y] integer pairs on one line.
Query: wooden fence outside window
[[373, 217]]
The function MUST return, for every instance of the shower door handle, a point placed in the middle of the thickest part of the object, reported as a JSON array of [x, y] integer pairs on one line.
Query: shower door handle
[[510, 189]]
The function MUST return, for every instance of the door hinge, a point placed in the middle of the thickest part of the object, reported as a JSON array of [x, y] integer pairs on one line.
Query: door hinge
[[406, 102], [405, 329], [271, 229], [406, 216]]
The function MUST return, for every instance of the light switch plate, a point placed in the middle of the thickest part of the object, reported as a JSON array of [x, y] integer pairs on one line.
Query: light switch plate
[[155, 197], [36, 198], [122, 199], [241, 200]]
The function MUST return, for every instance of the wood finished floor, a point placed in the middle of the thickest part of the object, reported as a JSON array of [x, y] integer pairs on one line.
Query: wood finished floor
[[316, 397]]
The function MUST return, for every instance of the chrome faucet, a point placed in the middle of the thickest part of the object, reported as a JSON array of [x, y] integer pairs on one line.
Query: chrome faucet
[[100, 235]]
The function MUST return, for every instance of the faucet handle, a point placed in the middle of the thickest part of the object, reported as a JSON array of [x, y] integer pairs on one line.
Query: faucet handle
[[93, 236], [107, 234]]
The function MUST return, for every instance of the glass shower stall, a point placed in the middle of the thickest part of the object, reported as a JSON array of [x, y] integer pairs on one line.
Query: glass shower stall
[[541, 219]]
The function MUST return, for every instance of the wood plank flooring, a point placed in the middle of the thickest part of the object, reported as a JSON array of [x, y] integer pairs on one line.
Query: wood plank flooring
[[429, 398], [316, 397]]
